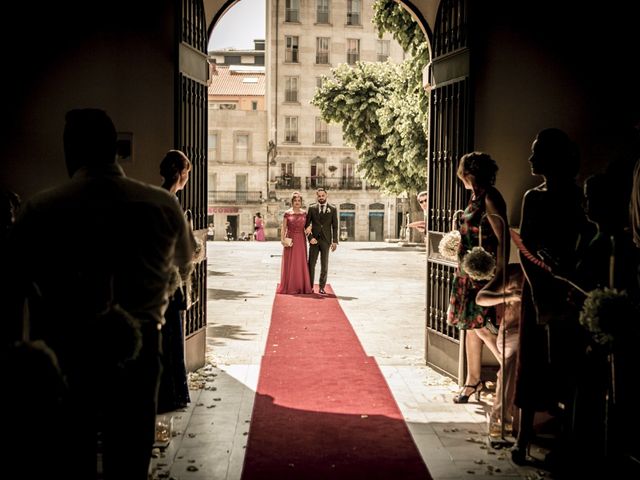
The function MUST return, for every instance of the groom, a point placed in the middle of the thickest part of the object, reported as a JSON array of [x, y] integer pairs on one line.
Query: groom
[[323, 218]]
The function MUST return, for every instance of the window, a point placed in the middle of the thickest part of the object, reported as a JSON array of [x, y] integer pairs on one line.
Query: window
[[322, 50], [322, 11], [212, 186], [291, 89], [213, 182], [348, 170], [320, 81], [316, 179], [353, 12], [382, 50], [317, 167], [212, 147], [353, 50], [322, 132], [290, 129], [286, 169], [292, 11], [241, 150], [291, 49], [254, 105], [224, 106]]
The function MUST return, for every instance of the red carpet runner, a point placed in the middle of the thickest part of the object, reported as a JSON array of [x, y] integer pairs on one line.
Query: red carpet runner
[[323, 410]]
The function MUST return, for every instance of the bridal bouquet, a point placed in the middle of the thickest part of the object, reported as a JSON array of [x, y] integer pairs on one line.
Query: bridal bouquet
[[479, 264], [450, 245], [604, 314]]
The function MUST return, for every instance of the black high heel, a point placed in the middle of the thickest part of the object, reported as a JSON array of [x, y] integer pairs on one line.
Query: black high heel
[[462, 398], [519, 454]]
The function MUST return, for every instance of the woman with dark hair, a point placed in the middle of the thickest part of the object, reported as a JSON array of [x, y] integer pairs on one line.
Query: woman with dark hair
[[174, 390], [487, 207], [294, 274], [553, 226], [259, 227]]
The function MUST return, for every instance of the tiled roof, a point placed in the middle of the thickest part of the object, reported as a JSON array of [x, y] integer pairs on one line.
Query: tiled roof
[[236, 81]]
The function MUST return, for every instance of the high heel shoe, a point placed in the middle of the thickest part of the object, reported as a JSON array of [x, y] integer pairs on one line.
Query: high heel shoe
[[462, 398], [519, 454]]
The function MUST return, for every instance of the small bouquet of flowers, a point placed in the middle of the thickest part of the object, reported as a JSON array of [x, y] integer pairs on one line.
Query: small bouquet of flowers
[[450, 245], [479, 264], [604, 313]]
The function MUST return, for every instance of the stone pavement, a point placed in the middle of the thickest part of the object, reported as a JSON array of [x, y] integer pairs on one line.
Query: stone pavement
[[381, 288]]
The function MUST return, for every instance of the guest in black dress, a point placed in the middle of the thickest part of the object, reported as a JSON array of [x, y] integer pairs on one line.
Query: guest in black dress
[[174, 387]]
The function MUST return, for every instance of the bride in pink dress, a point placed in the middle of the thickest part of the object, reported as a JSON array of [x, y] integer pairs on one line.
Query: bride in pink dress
[[294, 273]]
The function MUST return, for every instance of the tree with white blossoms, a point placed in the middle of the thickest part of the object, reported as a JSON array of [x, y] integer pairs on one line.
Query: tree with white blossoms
[[382, 107]]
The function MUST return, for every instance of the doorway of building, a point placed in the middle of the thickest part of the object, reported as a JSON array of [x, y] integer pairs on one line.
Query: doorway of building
[[232, 220], [376, 226]]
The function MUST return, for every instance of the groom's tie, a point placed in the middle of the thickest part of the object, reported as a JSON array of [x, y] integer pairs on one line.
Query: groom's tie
[[322, 209]]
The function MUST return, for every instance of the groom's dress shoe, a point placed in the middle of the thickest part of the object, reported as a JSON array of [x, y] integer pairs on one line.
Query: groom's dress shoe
[[322, 291]]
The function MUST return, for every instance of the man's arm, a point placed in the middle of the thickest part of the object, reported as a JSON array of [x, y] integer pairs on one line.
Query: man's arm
[[334, 226]]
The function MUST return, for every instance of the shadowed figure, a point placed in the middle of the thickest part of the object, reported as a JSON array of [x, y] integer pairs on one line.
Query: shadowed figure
[[552, 225], [112, 242], [174, 386], [606, 424]]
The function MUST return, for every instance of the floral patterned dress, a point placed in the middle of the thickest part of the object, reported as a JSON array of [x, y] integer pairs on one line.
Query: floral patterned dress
[[463, 312]]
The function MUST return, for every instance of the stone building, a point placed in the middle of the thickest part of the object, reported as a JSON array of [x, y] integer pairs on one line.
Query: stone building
[[306, 40], [237, 145]]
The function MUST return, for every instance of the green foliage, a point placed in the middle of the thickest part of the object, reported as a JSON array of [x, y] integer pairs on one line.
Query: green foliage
[[382, 108], [390, 17]]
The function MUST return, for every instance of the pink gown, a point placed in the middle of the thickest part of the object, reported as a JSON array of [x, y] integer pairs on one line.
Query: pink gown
[[294, 273], [259, 230]]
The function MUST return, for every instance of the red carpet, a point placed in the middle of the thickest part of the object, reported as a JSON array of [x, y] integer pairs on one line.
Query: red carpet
[[323, 409]]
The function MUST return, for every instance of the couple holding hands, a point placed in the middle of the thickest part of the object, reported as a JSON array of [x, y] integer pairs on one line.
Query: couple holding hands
[[318, 225]]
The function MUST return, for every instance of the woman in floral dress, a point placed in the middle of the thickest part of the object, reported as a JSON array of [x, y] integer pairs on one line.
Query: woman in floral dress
[[477, 171]]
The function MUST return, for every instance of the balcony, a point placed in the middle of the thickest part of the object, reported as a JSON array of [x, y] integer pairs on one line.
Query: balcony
[[333, 183], [288, 182], [235, 197]]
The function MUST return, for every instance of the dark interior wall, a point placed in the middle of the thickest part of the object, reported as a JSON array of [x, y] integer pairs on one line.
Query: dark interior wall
[[553, 64], [117, 55]]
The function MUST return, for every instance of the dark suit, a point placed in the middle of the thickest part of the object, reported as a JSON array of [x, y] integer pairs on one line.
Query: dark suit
[[325, 230]]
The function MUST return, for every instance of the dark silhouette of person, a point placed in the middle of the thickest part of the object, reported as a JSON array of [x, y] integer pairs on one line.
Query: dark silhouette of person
[[552, 224], [606, 424], [174, 386], [97, 292]]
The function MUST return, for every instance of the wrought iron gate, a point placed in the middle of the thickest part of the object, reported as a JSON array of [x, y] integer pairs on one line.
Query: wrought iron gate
[[450, 136], [191, 138]]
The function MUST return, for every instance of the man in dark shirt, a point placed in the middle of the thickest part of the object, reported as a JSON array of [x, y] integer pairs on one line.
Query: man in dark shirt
[[111, 241]]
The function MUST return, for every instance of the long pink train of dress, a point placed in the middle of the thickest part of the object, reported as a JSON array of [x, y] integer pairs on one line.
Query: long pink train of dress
[[259, 230], [294, 273]]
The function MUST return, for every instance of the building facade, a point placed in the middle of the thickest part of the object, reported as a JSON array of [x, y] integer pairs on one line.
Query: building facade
[[237, 145], [306, 40]]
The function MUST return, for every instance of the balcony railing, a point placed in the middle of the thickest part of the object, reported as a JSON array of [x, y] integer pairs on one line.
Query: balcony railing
[[334, 183], [235, 197], [288, 182]]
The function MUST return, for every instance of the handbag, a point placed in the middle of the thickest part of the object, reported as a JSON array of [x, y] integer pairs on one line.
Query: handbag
[[287, 242]]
